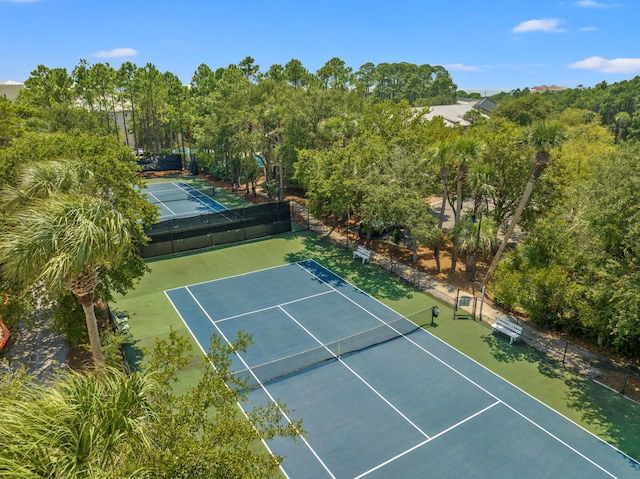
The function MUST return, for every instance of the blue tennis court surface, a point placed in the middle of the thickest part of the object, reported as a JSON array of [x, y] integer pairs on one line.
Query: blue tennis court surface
[[180, 199], [407, 407]]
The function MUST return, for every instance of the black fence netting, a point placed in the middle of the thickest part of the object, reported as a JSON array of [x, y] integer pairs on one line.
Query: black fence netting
[[161, 163], [187, 233]]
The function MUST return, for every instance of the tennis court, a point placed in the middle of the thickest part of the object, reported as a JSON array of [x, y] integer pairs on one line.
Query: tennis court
[[407, 407], [178, 198]]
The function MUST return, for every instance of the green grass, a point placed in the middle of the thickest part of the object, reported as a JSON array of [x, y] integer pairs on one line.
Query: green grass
[[598, 410]]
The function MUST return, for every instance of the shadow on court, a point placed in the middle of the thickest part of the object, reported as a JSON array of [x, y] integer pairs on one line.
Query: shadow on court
[[605, 410], [375, 281], [601, 409]]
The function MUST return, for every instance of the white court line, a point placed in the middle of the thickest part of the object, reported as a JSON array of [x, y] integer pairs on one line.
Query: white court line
[[284, 414], [351, 300], [162, 203], [190, 189], [273, 307], [445, 364], [214, 367], [191, 197], [377, 393], [549, 433], [419, 445], [235, 276]]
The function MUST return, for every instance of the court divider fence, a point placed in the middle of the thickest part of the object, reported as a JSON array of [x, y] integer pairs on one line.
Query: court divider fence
[[619, 378], [180, 234]]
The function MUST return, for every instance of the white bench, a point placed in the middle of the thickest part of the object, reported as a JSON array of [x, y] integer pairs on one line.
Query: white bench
[[362, 252], [513, 330]]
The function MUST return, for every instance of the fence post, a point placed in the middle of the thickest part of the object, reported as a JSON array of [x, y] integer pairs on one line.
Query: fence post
[[564, 355], [244, 223], [455, 306], [624, 384]]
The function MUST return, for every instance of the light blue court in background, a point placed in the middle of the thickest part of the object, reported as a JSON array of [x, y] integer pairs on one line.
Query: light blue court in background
[[180, 199]]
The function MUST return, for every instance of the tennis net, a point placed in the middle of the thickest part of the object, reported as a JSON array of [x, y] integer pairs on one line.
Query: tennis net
[[288, 365], [166, 196]]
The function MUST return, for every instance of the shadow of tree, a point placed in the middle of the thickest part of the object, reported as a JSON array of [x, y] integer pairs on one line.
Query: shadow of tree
[[519, 351], [134, 355], [374, 280], [618, 417]]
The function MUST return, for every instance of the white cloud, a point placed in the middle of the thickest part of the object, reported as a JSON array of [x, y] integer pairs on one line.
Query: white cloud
[[593, 4], [615, 65], [116, 53], [542, 25], [588, 29], [459, 67]]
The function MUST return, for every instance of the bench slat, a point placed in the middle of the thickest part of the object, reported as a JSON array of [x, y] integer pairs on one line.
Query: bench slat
[[514, 331], [363, 253]]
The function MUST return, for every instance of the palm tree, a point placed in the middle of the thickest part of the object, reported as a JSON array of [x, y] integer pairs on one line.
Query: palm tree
[[622, 119], [474, 237], [61, 237], [542, 136], [481, 181], [83, 426], [63, 243], [440, 154], [466, 149]]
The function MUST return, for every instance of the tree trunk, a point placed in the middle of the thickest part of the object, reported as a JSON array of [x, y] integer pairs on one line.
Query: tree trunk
[[84, 286], [458, 212], [436, 256], [535, 174], [469, 258], [92, 329]]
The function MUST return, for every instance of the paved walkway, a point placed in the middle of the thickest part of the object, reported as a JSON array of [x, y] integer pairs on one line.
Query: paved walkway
[[38, 348]]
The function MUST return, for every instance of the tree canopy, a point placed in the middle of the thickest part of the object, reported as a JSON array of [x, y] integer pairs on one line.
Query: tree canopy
[[350, 137]]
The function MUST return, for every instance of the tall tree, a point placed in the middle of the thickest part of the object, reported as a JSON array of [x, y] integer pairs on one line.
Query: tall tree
[[441, 157], [99, 175], [249, 68], [334, 74], [63, 242], [622, 120], [481, 181], [125, 82], [296, 74], [47, 87], [466, 150], [542, 136]]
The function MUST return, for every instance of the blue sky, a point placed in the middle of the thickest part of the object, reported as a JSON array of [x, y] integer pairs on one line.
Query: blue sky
[[485, 45]]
